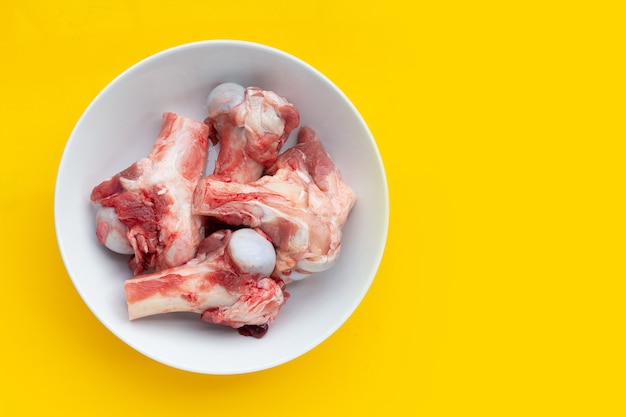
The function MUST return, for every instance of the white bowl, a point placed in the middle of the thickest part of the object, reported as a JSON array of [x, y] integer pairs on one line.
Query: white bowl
[[120, 126]]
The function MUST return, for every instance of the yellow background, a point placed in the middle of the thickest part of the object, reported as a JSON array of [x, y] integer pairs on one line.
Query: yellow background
[[501, 291]]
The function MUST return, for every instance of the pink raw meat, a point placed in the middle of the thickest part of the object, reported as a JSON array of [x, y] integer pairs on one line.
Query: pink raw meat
[[213, 285], [251, 126], [302, 205], [152, 197]]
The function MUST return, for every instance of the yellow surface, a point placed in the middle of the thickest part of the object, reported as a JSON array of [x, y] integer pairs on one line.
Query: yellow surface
[[501, 291]]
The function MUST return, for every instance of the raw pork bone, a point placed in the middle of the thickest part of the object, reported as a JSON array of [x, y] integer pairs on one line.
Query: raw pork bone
[[152, 197], [251, 126], [225, 291], [301, 204]]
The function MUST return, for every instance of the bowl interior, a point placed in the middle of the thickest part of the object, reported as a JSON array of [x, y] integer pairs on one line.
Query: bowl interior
[[120, 126]]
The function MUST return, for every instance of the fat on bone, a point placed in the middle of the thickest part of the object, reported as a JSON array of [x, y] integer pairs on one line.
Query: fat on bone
[[213, 284], [301, 204], [251, 125], [152, 198]]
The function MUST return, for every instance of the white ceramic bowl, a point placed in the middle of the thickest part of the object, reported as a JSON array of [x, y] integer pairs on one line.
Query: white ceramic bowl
[[120, 126]]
